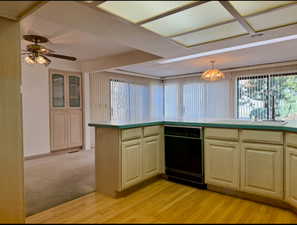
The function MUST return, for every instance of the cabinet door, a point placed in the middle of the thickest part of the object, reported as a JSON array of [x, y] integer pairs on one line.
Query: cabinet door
[[75, 128], [291, 175], [262, 169], [59, 130], [58, 112], [151, 156], [222, 161], [131, 163]]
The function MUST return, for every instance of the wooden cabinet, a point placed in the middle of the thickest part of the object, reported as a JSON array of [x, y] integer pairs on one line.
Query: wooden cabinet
[[291, 169], [222, 163], [262, 169], [151, 156], [131, 162]]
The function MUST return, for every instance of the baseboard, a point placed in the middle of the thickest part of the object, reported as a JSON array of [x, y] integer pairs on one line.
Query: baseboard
[[67, 149], [37, 156], [137, 187], [251, 197], [52, 153]]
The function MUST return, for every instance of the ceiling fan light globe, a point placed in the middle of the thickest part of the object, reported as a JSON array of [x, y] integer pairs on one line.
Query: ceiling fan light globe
[[29, 60], [41, 60]]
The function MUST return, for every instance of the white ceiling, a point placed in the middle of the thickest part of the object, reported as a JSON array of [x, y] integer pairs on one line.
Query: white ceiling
[[95, 33]]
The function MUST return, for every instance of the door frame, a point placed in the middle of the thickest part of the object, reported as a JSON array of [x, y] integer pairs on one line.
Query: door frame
[[50, 72]]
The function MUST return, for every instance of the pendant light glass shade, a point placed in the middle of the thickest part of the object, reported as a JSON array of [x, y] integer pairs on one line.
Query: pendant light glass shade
[[213, 74]]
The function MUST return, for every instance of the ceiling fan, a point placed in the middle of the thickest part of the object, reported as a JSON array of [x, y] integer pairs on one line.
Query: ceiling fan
[[39, 54]]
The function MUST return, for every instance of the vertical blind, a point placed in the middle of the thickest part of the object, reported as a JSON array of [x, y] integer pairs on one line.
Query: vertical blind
[[193, 98], [132, 101], [197, 99], [255, 96]]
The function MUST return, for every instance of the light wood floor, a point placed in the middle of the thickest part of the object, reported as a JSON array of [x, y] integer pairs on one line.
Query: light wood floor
[[164, 202]]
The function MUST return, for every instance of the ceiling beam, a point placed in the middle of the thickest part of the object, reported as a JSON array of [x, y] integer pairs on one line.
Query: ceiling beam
[[94, 3], [119, 60], [202, 28], [227, 5], [91, 4], [171, 12], [131, 73], [9, 17], [31, 10]]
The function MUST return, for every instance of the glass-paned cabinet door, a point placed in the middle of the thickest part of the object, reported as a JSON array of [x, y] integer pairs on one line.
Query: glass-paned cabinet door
[[58, 92], [74, 91]]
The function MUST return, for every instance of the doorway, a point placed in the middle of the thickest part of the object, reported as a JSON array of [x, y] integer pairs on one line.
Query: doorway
[[66, 110]]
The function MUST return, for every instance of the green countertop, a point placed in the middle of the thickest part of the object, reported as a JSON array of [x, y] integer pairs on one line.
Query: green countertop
[[267, 125]]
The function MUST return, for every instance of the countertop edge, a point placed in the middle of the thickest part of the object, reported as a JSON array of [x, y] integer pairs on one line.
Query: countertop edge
[[218, 125]]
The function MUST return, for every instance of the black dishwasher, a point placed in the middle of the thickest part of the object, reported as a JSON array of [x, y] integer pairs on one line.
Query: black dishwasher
[[184, 155]]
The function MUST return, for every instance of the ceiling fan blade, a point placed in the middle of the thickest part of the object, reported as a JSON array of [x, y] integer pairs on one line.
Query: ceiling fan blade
[[61, 56]]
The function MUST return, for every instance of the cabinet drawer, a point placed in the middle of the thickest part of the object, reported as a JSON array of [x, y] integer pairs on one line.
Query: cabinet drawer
[[262, 136], [221, 133], [132, 133], [150, 131], [291, 139]]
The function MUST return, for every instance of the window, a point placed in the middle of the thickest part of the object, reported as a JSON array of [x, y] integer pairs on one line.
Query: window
[[131, 101], [255, 96], [197, 100]]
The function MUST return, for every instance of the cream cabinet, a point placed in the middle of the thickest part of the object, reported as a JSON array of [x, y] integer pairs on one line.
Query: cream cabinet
[[151, 156], [66, 110], [141, 155], [131, 163], [262, 169], [222, 161], [291, 169], [249, 161], [291, 176], [127, 157]]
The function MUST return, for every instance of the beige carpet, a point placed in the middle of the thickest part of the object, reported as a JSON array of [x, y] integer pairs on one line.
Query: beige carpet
[[52, 180]]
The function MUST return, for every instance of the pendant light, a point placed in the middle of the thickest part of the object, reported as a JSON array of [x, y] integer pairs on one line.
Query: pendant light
[[212, 74]]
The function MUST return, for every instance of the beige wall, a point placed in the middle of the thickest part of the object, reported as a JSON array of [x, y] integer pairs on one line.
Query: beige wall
[[11, 152]]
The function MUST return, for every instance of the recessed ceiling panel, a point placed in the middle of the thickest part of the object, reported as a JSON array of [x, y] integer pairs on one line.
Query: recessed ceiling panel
[[276, 18], [137, 11], [250, 7], [216, 33], [197, 17]]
